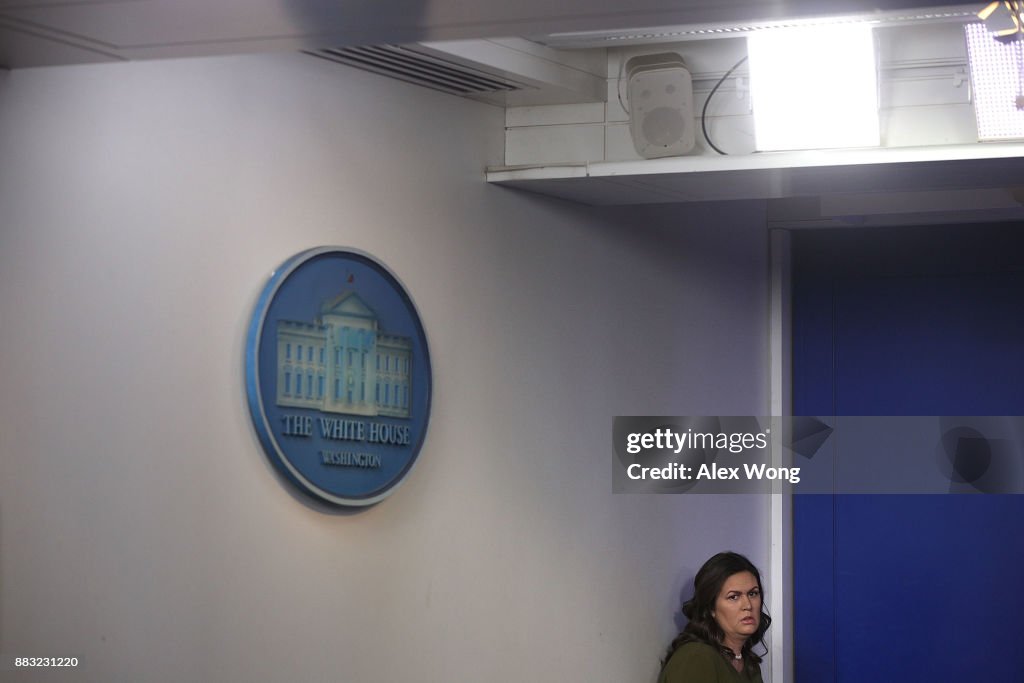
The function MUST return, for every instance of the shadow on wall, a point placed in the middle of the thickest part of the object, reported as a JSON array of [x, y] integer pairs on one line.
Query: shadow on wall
[[710, 235], [715, 237]]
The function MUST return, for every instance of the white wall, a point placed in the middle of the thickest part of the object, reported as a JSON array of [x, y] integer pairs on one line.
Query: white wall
[[142, 207]]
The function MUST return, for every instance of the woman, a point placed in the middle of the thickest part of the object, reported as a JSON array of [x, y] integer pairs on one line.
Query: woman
[[726, 620]]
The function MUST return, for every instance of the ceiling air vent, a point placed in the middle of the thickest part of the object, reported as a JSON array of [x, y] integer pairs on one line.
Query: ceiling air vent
[[406, 64]]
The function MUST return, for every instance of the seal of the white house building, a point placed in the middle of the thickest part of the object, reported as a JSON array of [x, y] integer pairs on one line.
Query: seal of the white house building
[[338, 376]]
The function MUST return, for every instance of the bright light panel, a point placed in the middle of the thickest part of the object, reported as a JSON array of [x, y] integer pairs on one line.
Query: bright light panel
[[997, 80], [814, 87]]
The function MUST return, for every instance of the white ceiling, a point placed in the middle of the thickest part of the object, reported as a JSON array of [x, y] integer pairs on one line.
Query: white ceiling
[[35, 33], [56, 32]]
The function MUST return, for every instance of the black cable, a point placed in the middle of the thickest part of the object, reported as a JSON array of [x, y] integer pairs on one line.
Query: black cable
[[704, 113]]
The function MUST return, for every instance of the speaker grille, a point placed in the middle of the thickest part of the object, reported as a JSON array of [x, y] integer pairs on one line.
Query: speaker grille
[[406, 64]]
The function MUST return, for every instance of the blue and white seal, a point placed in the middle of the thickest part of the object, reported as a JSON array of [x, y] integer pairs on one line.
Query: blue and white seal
[[338, 376]]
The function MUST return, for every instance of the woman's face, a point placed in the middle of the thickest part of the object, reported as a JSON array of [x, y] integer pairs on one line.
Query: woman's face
[[738, 607]]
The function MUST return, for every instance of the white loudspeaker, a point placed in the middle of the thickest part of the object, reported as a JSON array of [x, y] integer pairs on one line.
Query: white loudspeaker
[[660, 94]]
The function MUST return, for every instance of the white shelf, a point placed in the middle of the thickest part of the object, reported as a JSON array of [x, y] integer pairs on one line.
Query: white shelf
[[774, 175]]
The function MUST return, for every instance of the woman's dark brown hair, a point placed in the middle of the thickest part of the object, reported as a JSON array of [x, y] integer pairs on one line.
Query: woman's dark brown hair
[[701, 626]]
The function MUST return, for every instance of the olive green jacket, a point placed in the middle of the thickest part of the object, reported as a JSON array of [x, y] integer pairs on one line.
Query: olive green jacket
[[701, 663]]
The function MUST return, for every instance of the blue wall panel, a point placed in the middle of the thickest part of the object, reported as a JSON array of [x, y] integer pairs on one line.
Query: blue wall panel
[[924, 321]]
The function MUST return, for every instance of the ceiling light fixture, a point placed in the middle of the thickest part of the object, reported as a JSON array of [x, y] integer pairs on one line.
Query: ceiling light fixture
[[997, 83], [814, 87], [667, 34]]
